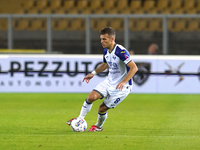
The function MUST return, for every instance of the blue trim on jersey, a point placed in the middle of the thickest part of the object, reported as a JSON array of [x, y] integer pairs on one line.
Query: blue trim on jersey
[[104, 53], [130, 81], [122, 53]]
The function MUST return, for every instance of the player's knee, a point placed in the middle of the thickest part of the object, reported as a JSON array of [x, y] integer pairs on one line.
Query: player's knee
[[91, 98]]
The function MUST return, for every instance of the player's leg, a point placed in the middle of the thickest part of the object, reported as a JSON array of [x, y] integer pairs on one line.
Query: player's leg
[[87, 105], [102, 116], [99, 92], [115, 97]]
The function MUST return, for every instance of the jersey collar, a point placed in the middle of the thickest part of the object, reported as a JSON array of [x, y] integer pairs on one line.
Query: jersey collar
[[112, 49]]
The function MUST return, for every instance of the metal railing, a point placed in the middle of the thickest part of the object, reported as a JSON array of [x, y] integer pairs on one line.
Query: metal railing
[[126, 18]]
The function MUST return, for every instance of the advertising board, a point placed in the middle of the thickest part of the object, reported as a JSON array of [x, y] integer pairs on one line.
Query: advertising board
[[64, 73]]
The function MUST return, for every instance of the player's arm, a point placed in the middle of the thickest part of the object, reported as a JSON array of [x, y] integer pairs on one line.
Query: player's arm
[[99, 69], [131, 73]]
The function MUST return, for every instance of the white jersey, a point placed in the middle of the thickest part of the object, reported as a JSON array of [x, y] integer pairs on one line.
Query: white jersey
[[117, 61]]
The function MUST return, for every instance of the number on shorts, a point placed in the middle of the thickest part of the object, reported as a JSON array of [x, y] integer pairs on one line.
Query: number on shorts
[[117, 100]]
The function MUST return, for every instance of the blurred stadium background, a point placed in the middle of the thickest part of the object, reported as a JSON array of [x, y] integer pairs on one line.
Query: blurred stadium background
[[24, 25], [158, 121]]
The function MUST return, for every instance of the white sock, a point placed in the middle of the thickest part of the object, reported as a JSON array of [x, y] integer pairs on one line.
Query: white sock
[[85, 109], [101, 119]]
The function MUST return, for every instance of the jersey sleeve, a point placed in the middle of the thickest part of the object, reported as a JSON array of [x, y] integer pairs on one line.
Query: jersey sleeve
[[123, 55]]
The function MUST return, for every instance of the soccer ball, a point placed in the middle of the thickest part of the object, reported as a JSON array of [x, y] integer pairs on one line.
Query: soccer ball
[[78, 125]]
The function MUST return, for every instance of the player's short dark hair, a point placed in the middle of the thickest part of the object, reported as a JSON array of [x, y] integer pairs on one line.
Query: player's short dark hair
[[108, 30]]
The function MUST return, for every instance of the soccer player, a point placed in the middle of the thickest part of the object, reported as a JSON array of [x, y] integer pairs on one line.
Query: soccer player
[[118, 84]]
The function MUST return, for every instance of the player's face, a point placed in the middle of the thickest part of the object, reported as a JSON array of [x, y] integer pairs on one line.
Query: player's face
[[106, 41]]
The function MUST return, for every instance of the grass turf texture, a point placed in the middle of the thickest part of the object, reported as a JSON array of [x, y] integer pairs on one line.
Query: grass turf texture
[[141, 121]]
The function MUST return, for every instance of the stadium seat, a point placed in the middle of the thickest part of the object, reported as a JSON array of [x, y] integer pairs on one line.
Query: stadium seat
[[132, 24], [60, 11], [54, 23], [198, 5], [189, 4], [61, 24], [69, 4], [93, 23], [162, 4], [21, 24], [149, 4], [136, 4], [99, 24], [46, 11], [171, 24], [139, 11], [3, 24], [35, 24], [73, 11], [108, 4], [136, 7], [191, 11], [126, 11], [32, 11], [95, 4], [141, 25], [176, 4], [83, 4], [178, 11], [77, 24], [40, 4], [155, 25], [20, 11], [153, 11], [193, 25], [86, 11], [121, 4], [138, 24], [44, 25], [179, 25], [27, 4], [166, 11], [117, 24], [99, 11], [54, 4], [112, 11]]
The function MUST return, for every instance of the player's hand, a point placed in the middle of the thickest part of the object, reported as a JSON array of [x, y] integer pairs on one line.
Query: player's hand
[[120, 85], [88, 77]]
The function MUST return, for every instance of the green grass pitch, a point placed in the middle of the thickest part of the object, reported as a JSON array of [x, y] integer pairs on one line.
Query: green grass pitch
[[140, 122]]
